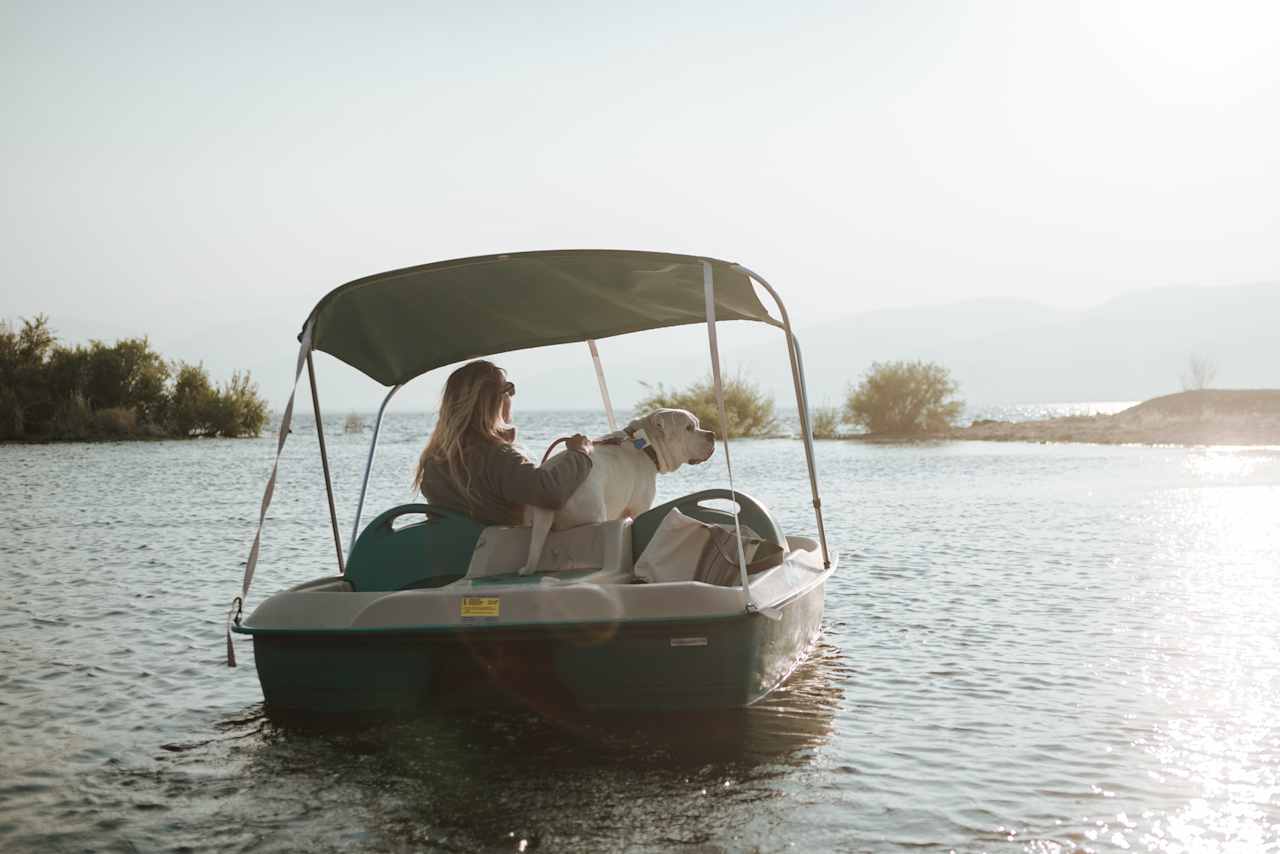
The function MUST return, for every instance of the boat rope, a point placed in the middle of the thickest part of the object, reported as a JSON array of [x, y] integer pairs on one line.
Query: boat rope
[[237, 604], [604, 388], [708, 286]]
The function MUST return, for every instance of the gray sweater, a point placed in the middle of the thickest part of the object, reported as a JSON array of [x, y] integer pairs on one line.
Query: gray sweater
[[503, 481]]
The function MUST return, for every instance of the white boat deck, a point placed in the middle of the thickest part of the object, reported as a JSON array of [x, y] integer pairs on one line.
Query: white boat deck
[[573, 593]]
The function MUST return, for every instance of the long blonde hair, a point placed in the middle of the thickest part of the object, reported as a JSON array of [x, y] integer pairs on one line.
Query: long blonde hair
[[470, 412]]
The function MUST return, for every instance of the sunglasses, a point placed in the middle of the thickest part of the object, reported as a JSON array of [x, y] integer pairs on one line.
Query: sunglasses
[[509, 389]]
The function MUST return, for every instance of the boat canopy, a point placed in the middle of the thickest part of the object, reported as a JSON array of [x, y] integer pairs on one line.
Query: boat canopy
[[398, 325]]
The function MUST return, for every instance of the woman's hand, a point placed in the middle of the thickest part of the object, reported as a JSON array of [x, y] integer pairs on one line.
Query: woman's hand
[[579, 442]]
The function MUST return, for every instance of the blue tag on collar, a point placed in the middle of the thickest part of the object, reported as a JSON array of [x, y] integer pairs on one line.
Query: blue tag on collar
[[639, 440]]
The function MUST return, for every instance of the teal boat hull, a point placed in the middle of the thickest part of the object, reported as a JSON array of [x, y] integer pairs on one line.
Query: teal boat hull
[[719, 662]]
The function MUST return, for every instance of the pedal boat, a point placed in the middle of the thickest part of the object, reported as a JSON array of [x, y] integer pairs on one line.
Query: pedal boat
[[428, 608]]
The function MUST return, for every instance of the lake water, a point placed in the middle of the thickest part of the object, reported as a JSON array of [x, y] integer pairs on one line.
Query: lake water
[[1027, 648]]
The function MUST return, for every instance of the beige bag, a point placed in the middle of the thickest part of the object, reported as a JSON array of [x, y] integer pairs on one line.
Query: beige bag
[[684, 549]]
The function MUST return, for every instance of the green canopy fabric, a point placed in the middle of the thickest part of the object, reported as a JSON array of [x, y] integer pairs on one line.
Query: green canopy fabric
[[398, 325]]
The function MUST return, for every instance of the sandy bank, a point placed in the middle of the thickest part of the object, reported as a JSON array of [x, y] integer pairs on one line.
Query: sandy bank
[[1209, 417]]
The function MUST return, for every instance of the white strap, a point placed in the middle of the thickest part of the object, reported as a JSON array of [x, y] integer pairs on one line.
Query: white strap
[[709, 289], [285, 421], [604, 389]]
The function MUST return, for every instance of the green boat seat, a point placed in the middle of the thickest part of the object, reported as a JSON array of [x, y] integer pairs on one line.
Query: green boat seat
[[430, 553], [751, 513]]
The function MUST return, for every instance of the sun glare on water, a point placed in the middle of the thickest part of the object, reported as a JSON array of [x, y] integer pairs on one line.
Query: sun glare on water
[[1209, 673]]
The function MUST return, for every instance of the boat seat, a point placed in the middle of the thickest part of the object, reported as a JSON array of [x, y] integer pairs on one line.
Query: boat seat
[[751, 515], [430, 553], [602, 546]]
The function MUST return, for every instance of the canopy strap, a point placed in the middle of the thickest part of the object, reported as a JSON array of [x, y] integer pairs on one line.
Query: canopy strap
[[304, 350], [709, 288], [604, 388]]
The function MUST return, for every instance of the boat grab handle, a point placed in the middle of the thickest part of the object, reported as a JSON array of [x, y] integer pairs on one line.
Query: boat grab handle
[[752, 513], [385, 519]]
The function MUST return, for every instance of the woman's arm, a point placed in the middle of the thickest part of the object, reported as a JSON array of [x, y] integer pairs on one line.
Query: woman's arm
[[549, 486]]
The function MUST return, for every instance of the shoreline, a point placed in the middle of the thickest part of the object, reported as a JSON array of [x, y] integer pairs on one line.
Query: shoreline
[[1189, 418], [107, 440], [1192, 418]]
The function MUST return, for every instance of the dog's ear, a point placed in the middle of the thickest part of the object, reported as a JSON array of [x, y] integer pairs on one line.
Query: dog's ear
[[653, 422]]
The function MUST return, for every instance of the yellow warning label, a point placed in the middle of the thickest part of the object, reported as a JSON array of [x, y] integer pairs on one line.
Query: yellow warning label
[[480, 606]]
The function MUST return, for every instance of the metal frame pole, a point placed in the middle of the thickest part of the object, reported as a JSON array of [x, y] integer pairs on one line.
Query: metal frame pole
[[324, 462], [368, 466], [709, 292], [604, 388], [802, 403]]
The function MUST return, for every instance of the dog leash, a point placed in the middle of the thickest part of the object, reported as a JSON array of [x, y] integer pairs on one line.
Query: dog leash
[[552, 447], [609, 440]]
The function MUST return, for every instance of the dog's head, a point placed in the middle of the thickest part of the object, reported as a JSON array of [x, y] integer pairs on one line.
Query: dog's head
[[676, 437]]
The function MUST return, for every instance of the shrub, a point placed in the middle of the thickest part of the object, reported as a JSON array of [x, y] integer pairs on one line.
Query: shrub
[[72, 418], [749, 410], [353, 424], [191, 402], [127, 373], [904, 398], [196, 408], [67, 374], [239, 410], [825, 422], [13, 415], [116, 422], [24, 396], [123, 389]]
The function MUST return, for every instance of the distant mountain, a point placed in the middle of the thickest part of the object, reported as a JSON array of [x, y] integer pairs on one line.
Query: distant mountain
[[1133, 347], [942, 324]]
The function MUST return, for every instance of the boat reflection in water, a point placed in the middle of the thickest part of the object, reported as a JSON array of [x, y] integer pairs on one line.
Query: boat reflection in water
[[795, 716]]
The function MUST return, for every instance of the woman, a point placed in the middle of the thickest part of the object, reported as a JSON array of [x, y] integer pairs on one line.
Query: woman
[[471, 464]]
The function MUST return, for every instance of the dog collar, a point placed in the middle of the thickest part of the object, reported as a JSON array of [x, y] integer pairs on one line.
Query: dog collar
[[641, 442]]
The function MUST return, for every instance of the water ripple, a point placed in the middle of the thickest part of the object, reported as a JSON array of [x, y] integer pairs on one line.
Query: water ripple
[[1028, 648]]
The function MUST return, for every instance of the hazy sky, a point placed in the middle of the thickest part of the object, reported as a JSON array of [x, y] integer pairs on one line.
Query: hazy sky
[[204, 174]]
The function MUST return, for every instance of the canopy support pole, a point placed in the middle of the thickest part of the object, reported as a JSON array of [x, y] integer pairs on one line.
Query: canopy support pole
[[709, 289], [368, 467], [324, 463], [604, 388], [802, 404]]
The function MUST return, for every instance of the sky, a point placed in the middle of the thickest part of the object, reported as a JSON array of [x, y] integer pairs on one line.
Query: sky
[[204, 174]]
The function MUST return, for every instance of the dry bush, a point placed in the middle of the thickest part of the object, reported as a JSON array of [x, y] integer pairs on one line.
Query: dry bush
[[749, 410], [825, 422], [904, 398], [116, 422]]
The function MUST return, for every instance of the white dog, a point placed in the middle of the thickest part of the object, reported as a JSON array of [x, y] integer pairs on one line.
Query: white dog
[[623, 478]]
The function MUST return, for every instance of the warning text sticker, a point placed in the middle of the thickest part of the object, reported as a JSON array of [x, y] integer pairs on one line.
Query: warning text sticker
[[480, 606]]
